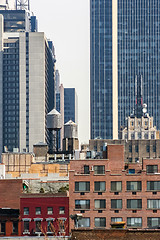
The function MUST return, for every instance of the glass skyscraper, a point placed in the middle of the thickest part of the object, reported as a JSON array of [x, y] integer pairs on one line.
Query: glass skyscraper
[[125, 42], [70, 105]]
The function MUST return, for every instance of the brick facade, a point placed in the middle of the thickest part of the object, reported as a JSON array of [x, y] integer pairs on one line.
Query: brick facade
[[115, 171], [45, 202], [115, 234], [10, 191]]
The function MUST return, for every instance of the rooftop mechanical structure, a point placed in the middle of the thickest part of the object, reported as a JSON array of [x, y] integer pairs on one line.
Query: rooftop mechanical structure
[[23, 5]]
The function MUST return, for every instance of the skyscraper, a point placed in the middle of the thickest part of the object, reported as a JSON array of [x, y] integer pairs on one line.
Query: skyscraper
[[70, 105], [125, 42], [60, 105], [26, 82]]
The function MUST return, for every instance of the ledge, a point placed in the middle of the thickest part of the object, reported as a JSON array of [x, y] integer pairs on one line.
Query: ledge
[[153, 208], [81, 174], [152, 191], [133, 191], [115, 191], [77, 209], [100, 209], [99, 174], [81, 191], [115, 174], [99, 191]]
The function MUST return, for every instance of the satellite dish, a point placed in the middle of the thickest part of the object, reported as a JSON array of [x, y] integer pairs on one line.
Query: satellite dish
[[144, 105], [144, 110]]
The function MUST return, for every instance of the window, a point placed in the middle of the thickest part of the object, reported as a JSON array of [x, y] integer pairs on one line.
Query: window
[[100, 203], [84, 222], [99, 186], [95, 148], [130, 148], [114, 219], [131, 171], [49, 210], [134, 186], [146, 135], [134, 222], [153, 222], [50, 226], [139, 135], [116, 186], [153, 185], [134, 203], [148, 148], [61, 210], [82, 186], [136, 160], [2, 227], [26, 211], [62, 225], [26, 226], [116, 203], [86, 169], [100, 222], [132, 136], [82, 204], [154, 148], [130, 159], [38, 226], [153, 203], [99, 169], [152, 168], [38, 210], [152, 135], [15, 227]]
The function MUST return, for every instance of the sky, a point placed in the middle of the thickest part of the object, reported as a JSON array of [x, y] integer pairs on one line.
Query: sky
[[66, 23]]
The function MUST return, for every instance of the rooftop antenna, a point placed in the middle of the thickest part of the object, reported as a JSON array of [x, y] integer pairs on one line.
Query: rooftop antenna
[[142, 88], [23, 5], [139, 97], [136, 89]]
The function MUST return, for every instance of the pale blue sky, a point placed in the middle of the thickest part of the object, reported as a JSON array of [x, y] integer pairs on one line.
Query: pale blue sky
[[66, 23]]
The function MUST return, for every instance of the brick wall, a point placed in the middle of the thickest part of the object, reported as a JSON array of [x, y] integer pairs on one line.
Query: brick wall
[[10, 191], [116, 157], [113, 172], [115, 234], [44, 201]]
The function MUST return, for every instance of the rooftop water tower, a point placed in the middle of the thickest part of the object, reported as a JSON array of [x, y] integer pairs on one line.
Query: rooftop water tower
[[70, 141], [54, 124], [70, 130]]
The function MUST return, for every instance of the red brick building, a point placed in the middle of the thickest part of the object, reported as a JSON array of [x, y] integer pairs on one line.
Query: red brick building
[[107, 190], [110, 234], [45, 214], [10, 192], [10, 224]]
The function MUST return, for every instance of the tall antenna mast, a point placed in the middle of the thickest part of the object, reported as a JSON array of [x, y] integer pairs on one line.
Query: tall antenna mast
[[136, 89], [139, 97], [23, 5]]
